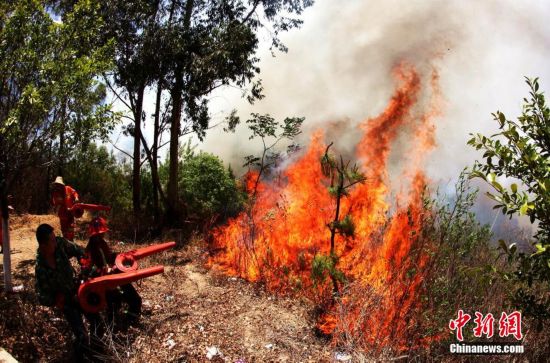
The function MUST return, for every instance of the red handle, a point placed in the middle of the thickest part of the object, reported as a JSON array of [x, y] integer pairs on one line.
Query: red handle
[[95, 207], [91, 294], [127, 261]]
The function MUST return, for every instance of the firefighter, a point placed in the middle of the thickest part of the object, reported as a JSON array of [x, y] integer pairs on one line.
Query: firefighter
[[56, 286], [102, 258], [63, 198]]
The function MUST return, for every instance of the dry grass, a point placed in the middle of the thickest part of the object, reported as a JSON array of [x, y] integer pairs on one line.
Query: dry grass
[[188, 305], [189, 309]]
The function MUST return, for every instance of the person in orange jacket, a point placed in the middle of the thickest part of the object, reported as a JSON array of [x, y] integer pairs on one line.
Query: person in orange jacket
[[63, 199], [101, 259]]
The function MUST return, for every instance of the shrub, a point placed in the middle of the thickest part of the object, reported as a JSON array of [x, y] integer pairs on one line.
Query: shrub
[[207, 188]]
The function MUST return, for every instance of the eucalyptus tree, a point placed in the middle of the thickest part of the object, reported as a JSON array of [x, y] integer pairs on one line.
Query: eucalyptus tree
[[185, 49], [214, 44], [50, 95]]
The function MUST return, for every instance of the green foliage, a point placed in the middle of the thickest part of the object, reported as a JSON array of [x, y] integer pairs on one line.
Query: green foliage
[[265, 126], [328, 165], [463, 271], [270, 132], [521, 150], [100, 178], [192, 47], [342, 178], [345, 226], [207, 188], [324, 266], [188, 48], [50, 96]]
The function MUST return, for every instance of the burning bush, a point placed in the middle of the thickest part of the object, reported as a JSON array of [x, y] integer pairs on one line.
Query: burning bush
[[296, 224]]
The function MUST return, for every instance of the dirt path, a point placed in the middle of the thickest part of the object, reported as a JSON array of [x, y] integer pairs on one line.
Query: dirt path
[[189, 311]]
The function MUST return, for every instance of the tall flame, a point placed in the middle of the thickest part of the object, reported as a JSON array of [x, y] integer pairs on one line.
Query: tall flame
[[277, 238]]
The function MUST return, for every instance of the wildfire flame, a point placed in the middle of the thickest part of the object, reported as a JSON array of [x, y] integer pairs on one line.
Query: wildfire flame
[[277, 238]]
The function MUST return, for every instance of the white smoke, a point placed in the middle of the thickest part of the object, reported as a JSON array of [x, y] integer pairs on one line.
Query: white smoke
[[339, 63], [338, 68]]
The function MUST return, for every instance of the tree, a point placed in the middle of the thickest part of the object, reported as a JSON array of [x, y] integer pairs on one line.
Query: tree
[[342, 178], [521, 150], [101, 179], [190, 48], [216, 43], [50, 96]]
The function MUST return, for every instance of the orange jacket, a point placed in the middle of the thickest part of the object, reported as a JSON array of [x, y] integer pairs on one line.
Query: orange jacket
[[65, 202]]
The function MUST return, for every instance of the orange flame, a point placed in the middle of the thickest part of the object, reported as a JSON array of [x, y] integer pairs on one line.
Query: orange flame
[[277, 238]]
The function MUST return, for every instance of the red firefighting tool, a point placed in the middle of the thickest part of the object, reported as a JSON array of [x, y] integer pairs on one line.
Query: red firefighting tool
[[78, 208], [92, 293], [128, 261]]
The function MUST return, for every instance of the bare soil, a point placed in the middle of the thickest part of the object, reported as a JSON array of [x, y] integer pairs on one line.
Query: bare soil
[[189, 311]]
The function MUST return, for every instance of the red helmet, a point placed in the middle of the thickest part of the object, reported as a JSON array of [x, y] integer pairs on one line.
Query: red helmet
[[97, 226]]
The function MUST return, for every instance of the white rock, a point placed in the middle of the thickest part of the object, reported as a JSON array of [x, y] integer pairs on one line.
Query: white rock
[[6, 357], [211, 352], [170, 343], [342, 357], [269, 346]]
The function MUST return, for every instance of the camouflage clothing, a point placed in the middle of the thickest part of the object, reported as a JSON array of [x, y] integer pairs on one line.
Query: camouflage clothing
[[50, 282]]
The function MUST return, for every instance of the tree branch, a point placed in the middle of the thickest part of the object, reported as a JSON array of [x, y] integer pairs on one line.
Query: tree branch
[[116, 93]]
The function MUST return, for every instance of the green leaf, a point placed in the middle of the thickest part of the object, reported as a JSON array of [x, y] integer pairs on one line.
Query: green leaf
[[523, 209], [476, 174], [540, 249], [501, 118], [497, 186]]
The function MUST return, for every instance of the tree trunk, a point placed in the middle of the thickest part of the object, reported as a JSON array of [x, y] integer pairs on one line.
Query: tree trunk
[[61, 155], [333, 231], [5, 231], [136, 175], [172, 212], [154, 151], [339, 193]]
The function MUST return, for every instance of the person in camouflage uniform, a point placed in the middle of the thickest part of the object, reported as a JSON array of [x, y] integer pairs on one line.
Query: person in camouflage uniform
[[56, 284]]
